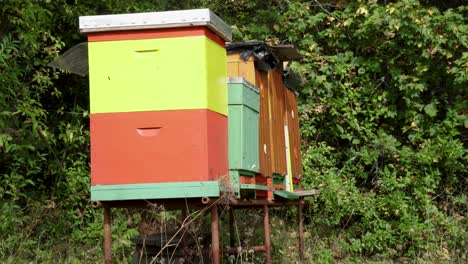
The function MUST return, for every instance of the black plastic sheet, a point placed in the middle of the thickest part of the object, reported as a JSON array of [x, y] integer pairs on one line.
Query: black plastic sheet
[[269, 57], [264, 57], [291, 79]]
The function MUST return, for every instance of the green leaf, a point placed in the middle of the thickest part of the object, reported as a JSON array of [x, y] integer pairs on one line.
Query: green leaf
[[340, 129], [431, 110]]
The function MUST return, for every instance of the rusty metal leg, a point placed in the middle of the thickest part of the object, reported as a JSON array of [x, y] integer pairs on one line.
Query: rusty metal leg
[[266, 227], [107, 235], [215, 234], [301, 232]]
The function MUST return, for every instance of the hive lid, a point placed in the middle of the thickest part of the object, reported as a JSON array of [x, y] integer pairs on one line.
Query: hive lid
[[279, 52], [266, 57], [287, 52], [151, 20]]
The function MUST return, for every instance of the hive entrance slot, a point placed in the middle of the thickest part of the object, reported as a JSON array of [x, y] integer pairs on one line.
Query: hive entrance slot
[[146, 51], [148, 131]]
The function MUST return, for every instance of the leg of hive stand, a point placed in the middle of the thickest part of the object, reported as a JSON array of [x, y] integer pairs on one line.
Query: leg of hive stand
[[107, 235], [215, 234], [301, 231], [266, 227]]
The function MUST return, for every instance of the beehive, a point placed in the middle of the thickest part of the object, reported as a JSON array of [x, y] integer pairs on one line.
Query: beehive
[[244, 107], [158, 101], [279, 139], [243, 126]]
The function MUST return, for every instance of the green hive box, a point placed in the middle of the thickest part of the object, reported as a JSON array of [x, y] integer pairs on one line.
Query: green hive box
[[244, 105]]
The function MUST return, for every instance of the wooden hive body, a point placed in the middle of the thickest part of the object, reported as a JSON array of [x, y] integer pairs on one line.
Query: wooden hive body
[[158, 98], [243, 126], [278, 109]]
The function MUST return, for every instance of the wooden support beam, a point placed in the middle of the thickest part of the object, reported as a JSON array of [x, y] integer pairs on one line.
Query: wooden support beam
[[215, 235], [266, 227], [107, 235]]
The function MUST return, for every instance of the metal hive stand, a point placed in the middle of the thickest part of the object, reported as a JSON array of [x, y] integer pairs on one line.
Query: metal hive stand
[[212, 204]]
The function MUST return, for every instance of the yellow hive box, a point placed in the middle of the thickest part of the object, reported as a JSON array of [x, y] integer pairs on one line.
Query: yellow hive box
[[157, 74]]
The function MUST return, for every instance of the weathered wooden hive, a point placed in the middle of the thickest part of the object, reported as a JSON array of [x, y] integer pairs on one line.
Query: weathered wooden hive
[[158, 100], [278, 146]]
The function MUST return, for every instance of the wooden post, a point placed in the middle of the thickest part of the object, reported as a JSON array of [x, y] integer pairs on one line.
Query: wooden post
[[215, 235], [107, 235], [266, 228]]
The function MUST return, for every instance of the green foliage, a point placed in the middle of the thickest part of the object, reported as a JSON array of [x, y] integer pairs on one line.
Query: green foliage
[[382, 116], [383, 121], [44, 137]]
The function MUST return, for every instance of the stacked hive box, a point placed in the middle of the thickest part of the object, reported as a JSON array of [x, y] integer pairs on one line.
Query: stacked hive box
[[279, 139], [244, 107], [158, 104]]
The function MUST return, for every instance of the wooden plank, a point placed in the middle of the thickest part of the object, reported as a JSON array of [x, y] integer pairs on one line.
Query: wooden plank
[[271, 123], [237, 67], [264, 125], [254, 187], [155, 191], [232, 65], [247, 69], [232, 69], [286, 194], [277, 109], [233, 57], [307, 193], [292, 120], [247, 180]]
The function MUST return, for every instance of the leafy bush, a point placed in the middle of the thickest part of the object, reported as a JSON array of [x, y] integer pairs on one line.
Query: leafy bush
[[383, 119], [383, 122]]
